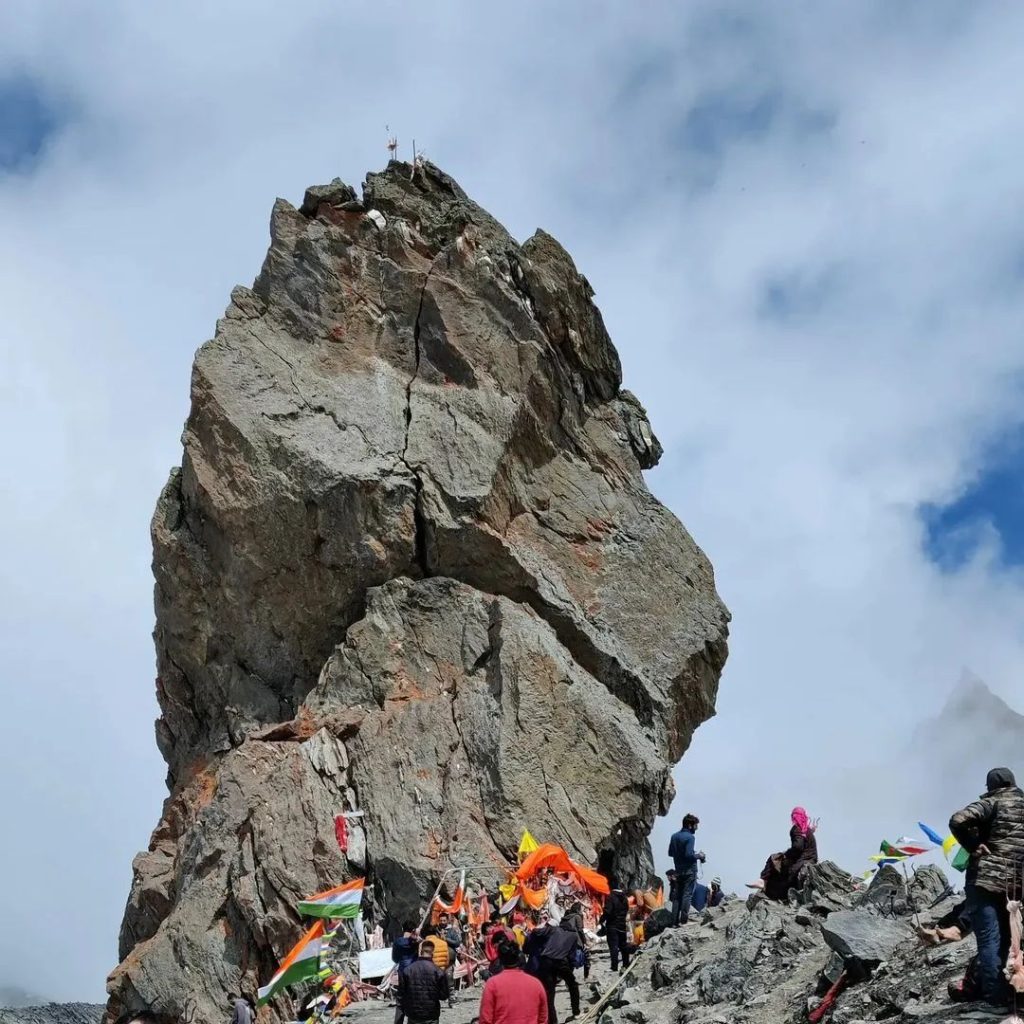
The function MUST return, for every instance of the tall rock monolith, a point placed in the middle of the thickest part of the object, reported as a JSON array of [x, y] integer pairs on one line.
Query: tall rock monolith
[[409, 566]]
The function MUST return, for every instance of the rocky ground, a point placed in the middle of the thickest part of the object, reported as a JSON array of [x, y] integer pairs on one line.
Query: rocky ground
[[771, 963], [761, 961], [53, 1013]]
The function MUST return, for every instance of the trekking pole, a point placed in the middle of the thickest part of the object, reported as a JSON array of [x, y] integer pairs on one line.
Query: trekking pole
[[423, 920]]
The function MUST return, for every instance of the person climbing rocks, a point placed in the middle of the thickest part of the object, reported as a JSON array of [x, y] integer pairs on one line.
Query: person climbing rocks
[[422, 987], [991, 830], [558, 963], [512, 996], [614, 919], [403, 956], [685, 858], [803, 847]]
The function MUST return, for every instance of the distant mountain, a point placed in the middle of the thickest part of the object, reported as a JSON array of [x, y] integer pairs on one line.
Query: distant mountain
[[976, 730], [976, 724]]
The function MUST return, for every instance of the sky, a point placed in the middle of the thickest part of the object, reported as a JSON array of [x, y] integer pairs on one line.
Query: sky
[[803, 223]]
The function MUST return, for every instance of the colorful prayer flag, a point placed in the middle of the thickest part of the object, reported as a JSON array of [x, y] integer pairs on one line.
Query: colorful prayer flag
[[961, 860], [341, 902], [947, 845], [930, 833], [301, 964], [912, 851]]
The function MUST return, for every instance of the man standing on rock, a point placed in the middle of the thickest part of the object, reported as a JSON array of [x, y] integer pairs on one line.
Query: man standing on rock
[[422, 987], [513, 996], [992, 831], [685, 857]]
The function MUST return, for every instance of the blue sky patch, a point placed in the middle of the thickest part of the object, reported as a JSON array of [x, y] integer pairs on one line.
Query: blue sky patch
[[993, 502], [28, 120]]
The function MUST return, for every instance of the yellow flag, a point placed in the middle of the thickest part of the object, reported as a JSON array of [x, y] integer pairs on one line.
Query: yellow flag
[[948, 843], [527, 845]]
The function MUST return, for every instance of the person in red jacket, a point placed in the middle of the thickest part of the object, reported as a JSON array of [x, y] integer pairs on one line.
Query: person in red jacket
[[513, 996]]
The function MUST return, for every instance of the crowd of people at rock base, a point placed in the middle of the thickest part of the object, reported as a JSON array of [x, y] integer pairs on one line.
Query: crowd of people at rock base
[[528, 956], [522, 957]]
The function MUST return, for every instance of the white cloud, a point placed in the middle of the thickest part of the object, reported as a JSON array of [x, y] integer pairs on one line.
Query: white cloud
[[861, 180]]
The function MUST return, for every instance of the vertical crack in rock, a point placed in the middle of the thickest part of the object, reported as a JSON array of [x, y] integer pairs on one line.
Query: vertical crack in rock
[[419, 520], [478, 596]]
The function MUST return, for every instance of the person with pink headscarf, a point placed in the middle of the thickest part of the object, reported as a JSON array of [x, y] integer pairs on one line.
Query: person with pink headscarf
[[803, 847]]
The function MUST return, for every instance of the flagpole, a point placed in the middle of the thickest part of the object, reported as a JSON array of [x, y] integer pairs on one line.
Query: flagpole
[[423, 920]]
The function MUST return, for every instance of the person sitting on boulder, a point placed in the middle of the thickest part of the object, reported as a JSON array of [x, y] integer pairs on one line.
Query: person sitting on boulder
[[991, 830], [715, 894], [803, 847]]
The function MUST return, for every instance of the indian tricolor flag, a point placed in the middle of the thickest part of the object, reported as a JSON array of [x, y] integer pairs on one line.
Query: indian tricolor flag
[[340, 902], [301, 964]]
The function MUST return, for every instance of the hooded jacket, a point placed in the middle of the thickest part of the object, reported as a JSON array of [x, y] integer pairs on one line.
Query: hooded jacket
[[996, 821]]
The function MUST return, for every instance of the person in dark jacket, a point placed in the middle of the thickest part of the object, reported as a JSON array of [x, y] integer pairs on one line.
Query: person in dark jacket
[[558, 963], [422, 987], [574, 920], [685, 858], [614, 918], [403, 956], [992, 831]]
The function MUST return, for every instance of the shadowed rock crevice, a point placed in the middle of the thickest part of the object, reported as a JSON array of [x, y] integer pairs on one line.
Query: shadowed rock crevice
[[409, 566]]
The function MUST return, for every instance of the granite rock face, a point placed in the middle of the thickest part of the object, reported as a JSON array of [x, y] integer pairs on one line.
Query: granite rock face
[[409, 565]]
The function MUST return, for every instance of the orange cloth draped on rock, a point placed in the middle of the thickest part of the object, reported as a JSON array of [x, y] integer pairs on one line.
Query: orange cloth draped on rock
[[556, 859]]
